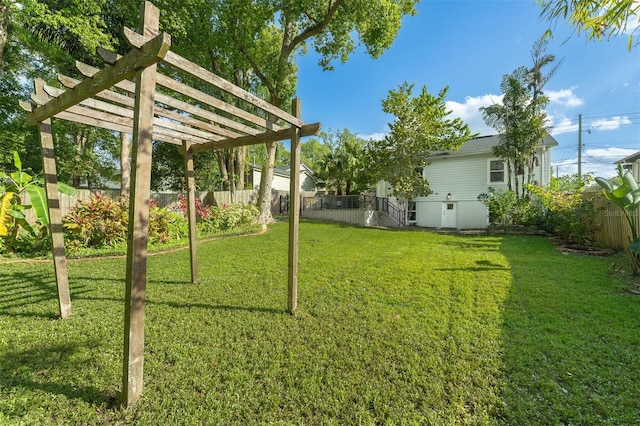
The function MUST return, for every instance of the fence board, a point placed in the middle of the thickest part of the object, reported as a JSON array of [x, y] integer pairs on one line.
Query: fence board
[[614, 230]]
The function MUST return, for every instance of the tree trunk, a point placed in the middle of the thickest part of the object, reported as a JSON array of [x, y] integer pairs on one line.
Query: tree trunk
[[509, 171], [241, 158], [222, 165], [4, 29], [264, 195], [125, 165]]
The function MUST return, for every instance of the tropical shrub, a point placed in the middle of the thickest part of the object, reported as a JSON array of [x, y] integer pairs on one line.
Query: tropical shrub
[[181, 207], [100, 221], [166, 225], [566, 212], [626, 195], [231, 216], [16, 234], [505, 208]]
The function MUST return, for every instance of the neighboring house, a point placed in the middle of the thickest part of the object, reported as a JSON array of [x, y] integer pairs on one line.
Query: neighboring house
[[458, 177], [308, 181], [632, 163]]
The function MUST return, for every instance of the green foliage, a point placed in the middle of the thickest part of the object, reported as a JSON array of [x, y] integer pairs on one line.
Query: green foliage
[[420, 127], [505, 208], [342, 168], [16, 233], [479, 330], [625, 193], [596, 18], [566, 211], [311, 151], [521, 124], [103, 222], [521, 119], [100, 221], [222, 218]]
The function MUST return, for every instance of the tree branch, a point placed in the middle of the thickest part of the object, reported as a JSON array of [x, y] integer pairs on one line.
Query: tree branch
[[313, 30]]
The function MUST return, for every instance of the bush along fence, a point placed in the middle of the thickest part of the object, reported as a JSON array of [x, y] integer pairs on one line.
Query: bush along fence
[[165, 199]]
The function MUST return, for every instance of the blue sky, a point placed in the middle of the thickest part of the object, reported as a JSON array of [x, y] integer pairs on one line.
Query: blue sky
[[469, 46]]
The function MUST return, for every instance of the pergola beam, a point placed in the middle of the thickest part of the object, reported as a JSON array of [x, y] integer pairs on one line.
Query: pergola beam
[[127, 101], [130, 87], [149, 53], [305, 130], [207, 76]]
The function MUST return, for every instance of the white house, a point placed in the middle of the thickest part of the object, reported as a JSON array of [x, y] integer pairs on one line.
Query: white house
[[281, 178], [632, 163], [458, 177]]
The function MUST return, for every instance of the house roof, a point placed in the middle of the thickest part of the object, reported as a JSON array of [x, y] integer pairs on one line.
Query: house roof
[[286, 170], [485, 144], [630, 159]]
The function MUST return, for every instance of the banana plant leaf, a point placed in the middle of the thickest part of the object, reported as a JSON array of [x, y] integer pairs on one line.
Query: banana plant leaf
[[5, 218], [38, 199]]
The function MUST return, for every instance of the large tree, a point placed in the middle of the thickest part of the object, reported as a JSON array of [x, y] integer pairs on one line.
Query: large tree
[[268, 36], [521, 119], [421, 126], [521, 123], [596, 18]]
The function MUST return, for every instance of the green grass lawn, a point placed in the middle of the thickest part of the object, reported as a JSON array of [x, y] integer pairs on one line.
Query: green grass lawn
[[393, 327]]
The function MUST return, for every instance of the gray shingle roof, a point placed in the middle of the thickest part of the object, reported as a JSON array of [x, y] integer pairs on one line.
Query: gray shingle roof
[[484, 144], [630, 159]]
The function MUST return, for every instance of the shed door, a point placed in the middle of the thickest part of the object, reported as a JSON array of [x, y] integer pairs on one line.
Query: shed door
[[450, 214]]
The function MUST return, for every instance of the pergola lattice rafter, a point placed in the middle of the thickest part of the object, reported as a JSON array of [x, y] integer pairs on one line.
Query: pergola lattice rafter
[[122, 97]]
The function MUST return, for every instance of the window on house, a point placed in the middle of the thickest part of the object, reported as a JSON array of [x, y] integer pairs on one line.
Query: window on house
[[496, 171], [412, 212]]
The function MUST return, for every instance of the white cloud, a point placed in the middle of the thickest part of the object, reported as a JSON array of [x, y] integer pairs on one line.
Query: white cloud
[[596, 162], [613, 154], [564, 97], [560, 125], [469, 111], [374, 136], [611, 123]]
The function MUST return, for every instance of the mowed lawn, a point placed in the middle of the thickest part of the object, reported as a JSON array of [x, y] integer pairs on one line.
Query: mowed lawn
[[393, 327]]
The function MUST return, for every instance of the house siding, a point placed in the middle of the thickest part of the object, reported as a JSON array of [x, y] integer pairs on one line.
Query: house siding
[[281, 183], [465, 177]]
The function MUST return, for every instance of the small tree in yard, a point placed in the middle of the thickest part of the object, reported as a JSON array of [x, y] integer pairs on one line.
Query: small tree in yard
[[626, 195], [566, 211], [420, 127]]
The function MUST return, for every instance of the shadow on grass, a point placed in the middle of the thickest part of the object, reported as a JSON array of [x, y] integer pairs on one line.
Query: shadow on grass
[[47, 368], [187, 305], [474, 243], [483, 265], [22, 292], [569, 340]]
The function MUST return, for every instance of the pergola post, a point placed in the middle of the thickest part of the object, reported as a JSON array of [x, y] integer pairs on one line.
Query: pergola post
[[136, 278], [294, 208], [191, 210], [55, 217]]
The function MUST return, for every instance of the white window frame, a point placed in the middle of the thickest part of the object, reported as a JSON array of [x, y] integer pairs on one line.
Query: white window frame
[[504, 171]]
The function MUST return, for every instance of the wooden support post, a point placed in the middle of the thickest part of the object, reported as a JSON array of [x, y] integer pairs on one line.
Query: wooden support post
[[294, 208], [125, 165], [191, 210], [139, 220], [55, 217]]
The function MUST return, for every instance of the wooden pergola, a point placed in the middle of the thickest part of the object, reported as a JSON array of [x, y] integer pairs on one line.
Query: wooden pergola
[[193, 120]]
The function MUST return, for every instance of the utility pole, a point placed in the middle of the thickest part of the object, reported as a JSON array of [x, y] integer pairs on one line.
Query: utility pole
[[580, 146]]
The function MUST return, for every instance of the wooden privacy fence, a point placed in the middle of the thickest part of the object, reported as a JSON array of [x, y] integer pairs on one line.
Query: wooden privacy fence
[[614, 230]]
